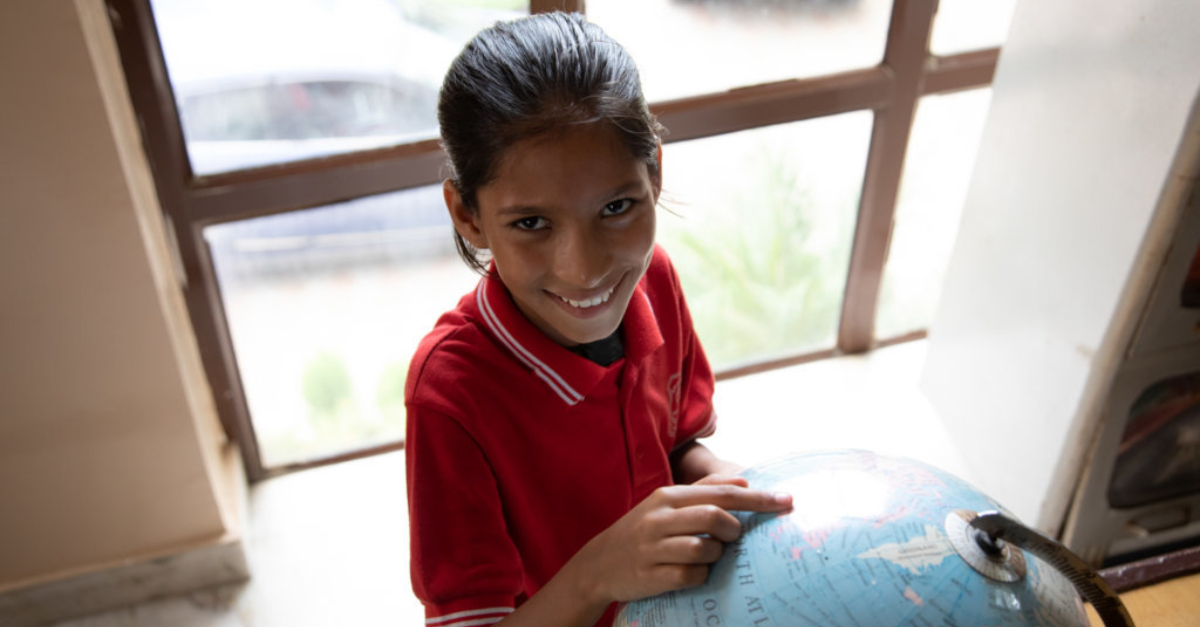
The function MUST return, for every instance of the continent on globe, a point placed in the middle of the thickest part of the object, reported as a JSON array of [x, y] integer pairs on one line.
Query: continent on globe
[[869, 543]]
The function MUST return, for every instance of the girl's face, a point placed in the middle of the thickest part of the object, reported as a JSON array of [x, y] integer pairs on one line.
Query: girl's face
[[569, 219]]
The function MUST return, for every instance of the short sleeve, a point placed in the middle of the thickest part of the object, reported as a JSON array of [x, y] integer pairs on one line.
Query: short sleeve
[[465, 568]]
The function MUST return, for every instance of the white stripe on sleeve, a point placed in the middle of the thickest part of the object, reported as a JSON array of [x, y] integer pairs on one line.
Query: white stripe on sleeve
[[490, 615]]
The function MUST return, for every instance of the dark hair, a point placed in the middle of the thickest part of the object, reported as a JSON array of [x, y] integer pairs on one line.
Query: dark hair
[[522, 78]]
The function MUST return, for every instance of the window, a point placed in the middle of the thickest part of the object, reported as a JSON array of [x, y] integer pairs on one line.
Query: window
[[736, 43], [295, 155], [762, 248], [295, 79], [944, 139], [325, 306]]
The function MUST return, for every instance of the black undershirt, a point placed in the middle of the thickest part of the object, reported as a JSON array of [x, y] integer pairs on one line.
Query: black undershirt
[[603, 352]]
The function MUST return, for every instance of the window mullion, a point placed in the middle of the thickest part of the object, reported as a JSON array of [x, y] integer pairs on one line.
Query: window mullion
[[150, 90], [252, 193], [548, 6], [207, 310], [905, 56], [775, 103], [961, 71]]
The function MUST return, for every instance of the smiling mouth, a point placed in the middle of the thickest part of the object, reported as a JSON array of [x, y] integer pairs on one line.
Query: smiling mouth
[[590, 302]]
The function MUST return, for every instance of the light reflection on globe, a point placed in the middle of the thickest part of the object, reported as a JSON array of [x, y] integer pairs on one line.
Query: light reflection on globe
[[868, 545]]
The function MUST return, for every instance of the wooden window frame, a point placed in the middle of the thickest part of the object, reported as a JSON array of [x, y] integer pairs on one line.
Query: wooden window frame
[[892, 90]]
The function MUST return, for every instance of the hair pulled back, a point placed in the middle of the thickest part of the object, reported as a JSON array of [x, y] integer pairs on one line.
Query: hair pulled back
[[519, 79]]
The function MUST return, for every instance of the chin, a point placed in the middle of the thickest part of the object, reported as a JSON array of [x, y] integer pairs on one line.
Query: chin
[[588, 338]]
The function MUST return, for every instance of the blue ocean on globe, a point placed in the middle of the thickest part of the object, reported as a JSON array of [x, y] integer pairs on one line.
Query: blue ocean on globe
[[869, 543]]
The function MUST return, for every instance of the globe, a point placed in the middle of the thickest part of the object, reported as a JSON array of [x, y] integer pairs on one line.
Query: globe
[[871, 541]]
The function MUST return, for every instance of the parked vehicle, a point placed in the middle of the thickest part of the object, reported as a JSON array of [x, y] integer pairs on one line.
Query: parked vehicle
[[264, 82]]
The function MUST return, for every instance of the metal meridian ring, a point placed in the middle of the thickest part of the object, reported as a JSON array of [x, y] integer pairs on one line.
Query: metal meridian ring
[[1004, 562], [1087, 582]]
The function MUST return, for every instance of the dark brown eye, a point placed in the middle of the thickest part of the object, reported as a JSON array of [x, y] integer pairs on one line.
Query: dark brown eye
[[531, 223], [617, 207]]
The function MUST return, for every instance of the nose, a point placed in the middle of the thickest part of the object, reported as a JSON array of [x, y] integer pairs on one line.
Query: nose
[[583, 258]]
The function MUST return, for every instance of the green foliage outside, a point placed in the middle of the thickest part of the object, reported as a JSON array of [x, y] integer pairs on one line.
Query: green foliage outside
[[390, 393], [765, 273], [336, 422], [326, 386]]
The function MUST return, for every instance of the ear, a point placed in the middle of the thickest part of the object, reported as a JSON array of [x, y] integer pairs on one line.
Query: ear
[[466, 222]]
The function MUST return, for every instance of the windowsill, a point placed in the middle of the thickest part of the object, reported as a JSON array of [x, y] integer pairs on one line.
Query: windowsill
[[869, 401], [330, 545]]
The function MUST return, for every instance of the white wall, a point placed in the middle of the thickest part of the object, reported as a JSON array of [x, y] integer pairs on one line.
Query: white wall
[[1089, 102]]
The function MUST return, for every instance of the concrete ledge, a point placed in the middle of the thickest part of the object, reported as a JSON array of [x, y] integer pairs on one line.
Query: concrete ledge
[[210, 565]]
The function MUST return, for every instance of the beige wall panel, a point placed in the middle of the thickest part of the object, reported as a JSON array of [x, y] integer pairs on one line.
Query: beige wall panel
[[101, 455]]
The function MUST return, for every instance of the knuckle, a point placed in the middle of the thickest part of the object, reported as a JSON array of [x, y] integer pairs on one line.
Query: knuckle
[[712, 514], [696, 549]]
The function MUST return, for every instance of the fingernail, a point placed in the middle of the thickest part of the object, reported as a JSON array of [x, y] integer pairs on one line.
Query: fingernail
[[783, 498]]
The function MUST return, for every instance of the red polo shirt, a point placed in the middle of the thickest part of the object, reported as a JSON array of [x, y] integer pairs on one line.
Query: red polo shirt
[[520, 451]]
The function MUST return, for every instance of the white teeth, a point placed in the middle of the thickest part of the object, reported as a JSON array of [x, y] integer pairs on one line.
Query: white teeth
[[591, 302]]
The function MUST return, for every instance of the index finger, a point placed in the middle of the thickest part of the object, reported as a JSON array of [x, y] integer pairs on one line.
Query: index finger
[[723, 480], [729, 497]]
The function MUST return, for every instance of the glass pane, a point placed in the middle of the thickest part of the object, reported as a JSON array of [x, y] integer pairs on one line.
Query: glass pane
[[326, 306], [759, 225], [271, 81], [689, 47], [964, 25], [937, 171]]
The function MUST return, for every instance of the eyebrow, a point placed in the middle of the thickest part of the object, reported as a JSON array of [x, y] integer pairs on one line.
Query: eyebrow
[[522, 210], [517, 210]]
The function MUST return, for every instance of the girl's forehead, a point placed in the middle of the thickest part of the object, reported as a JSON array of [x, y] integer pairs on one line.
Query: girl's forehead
[[578, 161], [596, 140]]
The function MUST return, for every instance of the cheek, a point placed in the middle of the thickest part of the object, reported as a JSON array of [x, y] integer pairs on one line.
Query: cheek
[[640, 240], [517, 265]]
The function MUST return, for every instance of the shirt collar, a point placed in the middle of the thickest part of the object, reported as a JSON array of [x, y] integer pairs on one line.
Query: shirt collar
[[568, 375]]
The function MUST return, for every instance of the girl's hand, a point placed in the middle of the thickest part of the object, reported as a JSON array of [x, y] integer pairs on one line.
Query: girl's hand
[[668, 540]]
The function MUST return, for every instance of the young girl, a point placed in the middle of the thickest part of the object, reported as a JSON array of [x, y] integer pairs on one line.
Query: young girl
[[553, 415]]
